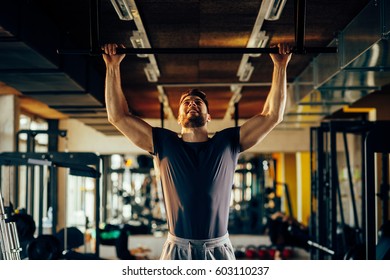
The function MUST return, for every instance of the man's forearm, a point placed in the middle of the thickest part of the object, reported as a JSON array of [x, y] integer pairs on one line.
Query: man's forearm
[[276, 101], [115, 100]]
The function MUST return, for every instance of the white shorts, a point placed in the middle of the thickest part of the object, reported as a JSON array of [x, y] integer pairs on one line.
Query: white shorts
[[176, 248]]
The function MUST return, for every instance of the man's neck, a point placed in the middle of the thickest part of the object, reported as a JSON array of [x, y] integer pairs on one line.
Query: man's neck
[[197, 134]]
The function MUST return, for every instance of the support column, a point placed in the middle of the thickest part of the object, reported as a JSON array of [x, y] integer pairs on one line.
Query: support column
[[9, 125], [9, 122]]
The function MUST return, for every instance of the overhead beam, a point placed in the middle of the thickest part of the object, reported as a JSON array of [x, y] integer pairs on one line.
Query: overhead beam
[[300, 21], [94, 32], [201, 84]]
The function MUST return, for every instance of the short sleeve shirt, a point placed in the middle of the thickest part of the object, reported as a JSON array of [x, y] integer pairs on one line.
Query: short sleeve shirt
[[197, 180]]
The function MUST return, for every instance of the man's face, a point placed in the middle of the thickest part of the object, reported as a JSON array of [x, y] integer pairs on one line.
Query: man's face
[[193, 112]]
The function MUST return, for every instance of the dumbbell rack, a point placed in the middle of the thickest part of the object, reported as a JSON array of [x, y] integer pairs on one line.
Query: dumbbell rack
[[9, 241]]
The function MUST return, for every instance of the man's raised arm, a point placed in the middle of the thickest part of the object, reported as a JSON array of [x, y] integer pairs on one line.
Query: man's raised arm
[[137, 130], [255, 129]]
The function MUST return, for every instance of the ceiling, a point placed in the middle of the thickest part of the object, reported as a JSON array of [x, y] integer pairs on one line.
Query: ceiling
[[48, 54]]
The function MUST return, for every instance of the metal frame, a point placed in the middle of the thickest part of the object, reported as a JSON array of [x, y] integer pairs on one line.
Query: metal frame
[[325, 184], [300, 22], [95, 51], [30, 143], [9, 240], [78, 164], [377, 141]]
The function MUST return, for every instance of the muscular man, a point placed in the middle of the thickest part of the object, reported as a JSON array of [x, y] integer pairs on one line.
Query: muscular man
[[196, 171]]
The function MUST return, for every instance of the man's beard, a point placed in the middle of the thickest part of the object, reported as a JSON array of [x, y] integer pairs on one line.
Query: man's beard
[[193, 121]]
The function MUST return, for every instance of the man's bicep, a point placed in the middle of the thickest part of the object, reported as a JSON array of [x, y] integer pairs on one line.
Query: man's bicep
[[139, 132], [254, 130]]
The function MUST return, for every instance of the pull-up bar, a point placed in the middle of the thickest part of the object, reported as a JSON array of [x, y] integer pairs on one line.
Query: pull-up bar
[[201, 51]]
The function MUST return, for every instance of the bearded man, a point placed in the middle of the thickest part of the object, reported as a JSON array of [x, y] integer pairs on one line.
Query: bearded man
[[196, 170]]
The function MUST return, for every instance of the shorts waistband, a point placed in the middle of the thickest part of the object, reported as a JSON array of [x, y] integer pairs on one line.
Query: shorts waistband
[[208, 243]]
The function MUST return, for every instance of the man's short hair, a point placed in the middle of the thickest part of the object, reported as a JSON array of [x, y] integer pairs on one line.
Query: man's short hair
[[195, 92]]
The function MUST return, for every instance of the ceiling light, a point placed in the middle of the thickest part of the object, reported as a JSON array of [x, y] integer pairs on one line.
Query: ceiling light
[[245, 72], [138, 42], [259, 40], [151, 73], [123, 9], [274, 10]]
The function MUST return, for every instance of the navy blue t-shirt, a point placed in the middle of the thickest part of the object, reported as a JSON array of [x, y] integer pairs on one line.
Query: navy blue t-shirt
[[197, 180]]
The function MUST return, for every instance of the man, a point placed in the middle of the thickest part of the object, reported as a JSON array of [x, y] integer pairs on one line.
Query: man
[[196, 171]]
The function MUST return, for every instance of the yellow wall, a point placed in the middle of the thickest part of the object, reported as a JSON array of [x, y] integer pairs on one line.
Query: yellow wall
[[304, 181], [294, 169], [279, 171], [290, 176]]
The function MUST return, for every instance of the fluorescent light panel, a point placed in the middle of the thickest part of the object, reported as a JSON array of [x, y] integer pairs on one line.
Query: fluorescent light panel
[[138, 42], [245, 72], [260, 41], [151, 73], [123, 9], [274, 10]]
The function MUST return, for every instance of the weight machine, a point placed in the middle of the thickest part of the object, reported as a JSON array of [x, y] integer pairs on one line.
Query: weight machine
[[77, 164], [326, 199], [376, 142], [328, 226], [255, 195], [132, 195], [9, 241]]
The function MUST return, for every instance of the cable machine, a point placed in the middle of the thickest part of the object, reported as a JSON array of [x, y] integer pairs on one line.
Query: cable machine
[[328, 226], [9, 241], [376, 142], [29, 172]]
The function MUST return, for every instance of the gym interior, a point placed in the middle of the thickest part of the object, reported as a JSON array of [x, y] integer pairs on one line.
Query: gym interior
[[73, 187]]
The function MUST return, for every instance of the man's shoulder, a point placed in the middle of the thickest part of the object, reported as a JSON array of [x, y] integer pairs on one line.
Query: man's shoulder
[[163, 132], [227, 131], [230, 134]]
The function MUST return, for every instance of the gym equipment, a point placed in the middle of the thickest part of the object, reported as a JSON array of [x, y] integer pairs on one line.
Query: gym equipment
[[285, 233], [132, 195], [383, 246], [25, 227], [327, 209], [357, 252], [239, 252], [77, 164], [272, 252], [263, 253], [121, 244], [30, 174], [9, 241], [44, 247], [70, 238], [109, 234], [327, 225], [251, 252], [254, 195], [377, 141], [287, 253]]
